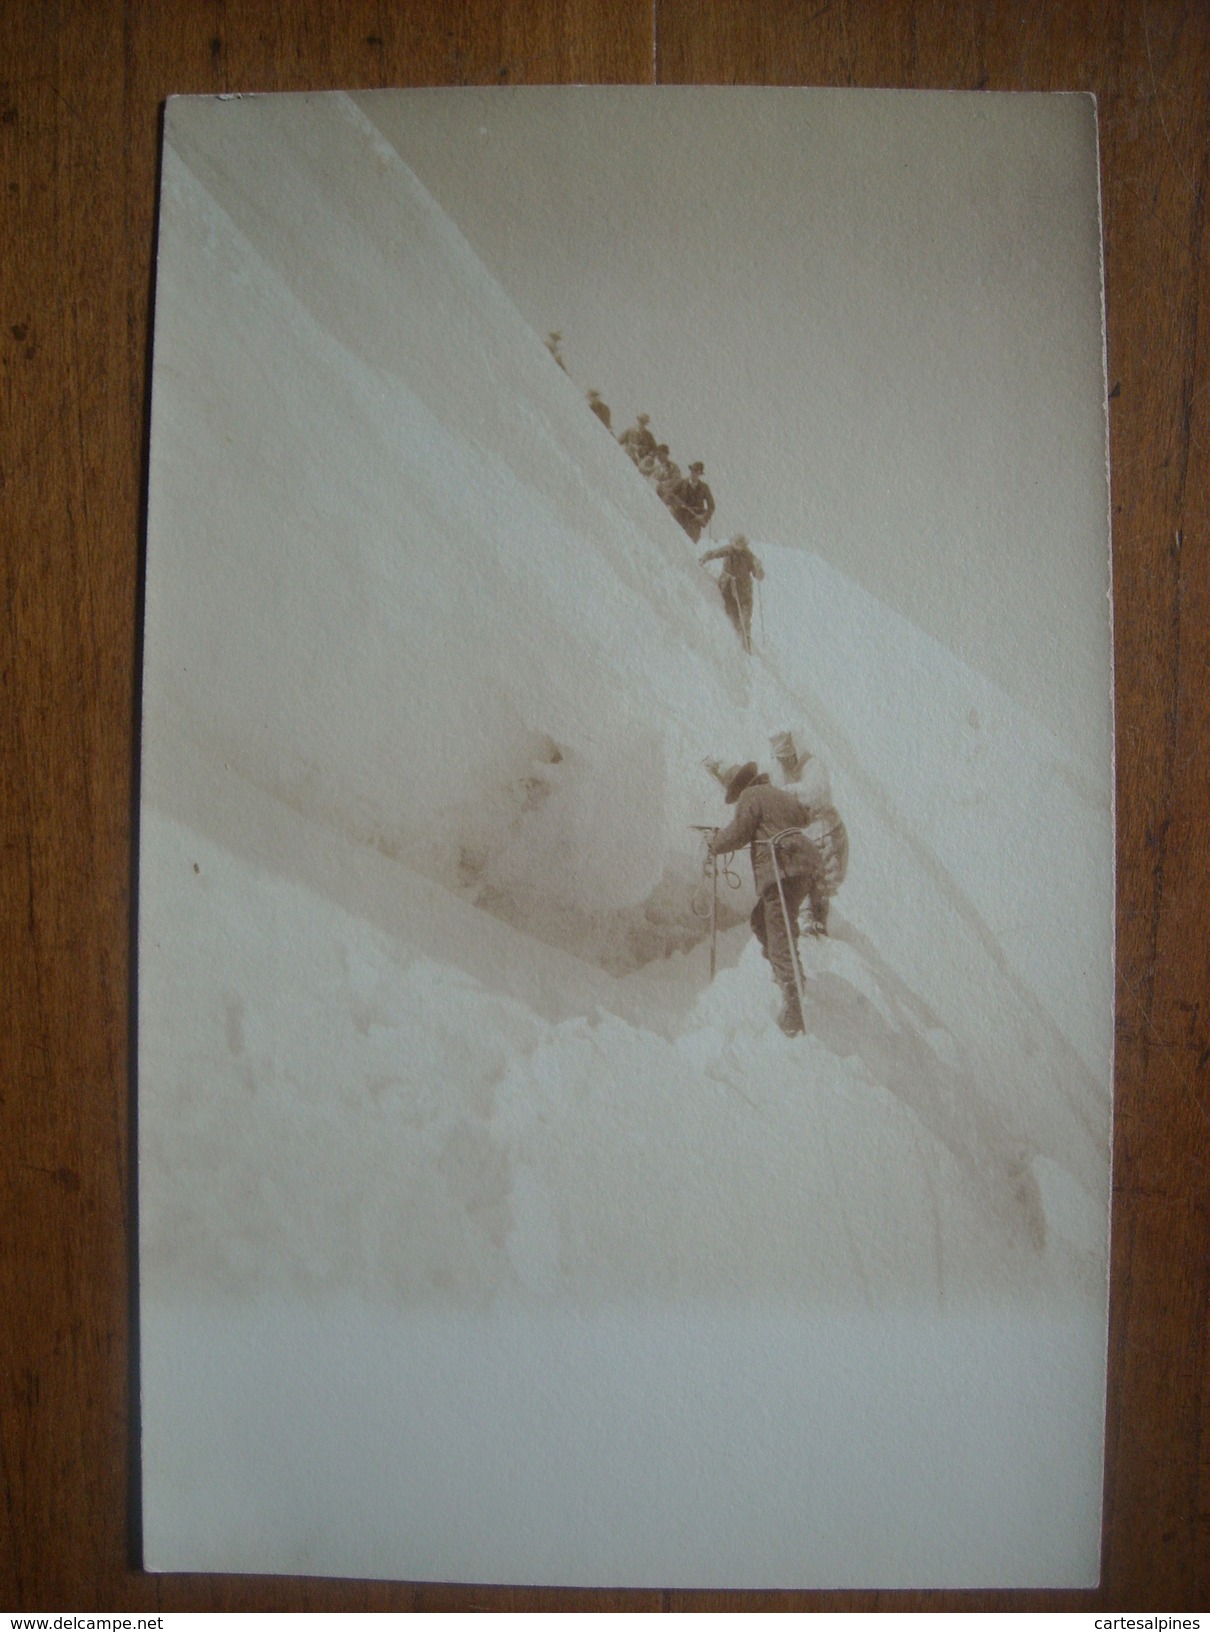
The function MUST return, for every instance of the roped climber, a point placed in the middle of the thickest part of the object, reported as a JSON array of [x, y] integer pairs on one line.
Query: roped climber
[[784, 865], [639, 440], [805, 772], [740, 567], [658, 465], [692, 502]]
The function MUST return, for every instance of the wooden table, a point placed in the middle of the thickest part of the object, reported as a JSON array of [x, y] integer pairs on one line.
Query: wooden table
[[81, 85]]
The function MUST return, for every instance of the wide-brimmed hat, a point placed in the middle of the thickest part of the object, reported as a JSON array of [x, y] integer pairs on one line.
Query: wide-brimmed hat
[[740, 779]]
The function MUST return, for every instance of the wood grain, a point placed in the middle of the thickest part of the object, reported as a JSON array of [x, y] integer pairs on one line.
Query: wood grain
[[79, 104]]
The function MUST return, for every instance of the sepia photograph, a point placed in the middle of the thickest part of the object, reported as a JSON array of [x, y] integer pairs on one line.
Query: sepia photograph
[[626, 840]]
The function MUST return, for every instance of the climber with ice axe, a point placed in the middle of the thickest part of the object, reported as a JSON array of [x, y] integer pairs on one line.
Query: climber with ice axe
[[784, 863]]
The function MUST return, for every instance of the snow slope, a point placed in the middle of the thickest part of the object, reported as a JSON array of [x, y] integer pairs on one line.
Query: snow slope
[[424, 1009], [529, 631], [965, 778]]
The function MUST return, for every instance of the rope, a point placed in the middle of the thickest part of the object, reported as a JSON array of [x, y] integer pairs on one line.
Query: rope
[[721, 868], [785, 911], [710, 870]]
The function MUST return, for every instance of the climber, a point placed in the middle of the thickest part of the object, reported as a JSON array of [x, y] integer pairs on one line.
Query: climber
[[638, 441], [692, 502], [771, 821], [740, 567], [657, 464], [600, 409], [809, 779]]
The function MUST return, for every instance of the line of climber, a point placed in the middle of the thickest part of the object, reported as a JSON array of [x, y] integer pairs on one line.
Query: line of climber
[[692, 504], [797, 842], [689, 499]]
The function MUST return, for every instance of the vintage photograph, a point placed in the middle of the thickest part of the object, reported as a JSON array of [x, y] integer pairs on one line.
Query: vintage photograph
[[625, 959]]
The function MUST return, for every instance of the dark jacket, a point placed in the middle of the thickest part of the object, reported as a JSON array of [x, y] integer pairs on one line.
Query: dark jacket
[[694, 496], [740, 566], [762, 812], [693, 501]]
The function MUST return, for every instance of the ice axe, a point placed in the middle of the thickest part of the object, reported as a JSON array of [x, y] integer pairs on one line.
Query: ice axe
[[713, 900]]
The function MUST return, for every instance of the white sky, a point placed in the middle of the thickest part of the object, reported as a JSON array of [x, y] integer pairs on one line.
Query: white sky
[[875, 315]]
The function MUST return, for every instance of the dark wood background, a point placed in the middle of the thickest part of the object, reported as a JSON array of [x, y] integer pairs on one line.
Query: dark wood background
[[81, 83]]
